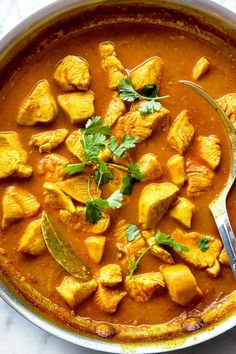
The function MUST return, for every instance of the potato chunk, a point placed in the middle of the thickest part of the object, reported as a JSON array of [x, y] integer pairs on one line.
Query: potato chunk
[[95, 247], [150, 167], [181, 133], [110, 275], [181, 284], [154, 201], [141, 287], [228, 104], [107, 299], [72, 73], [200, 178], [47, 141], [157, 250], [111, 64], [183, 211], [75, 292], [78, 106], [147, 73], [18, 203], [39, 106], [52, 166], [176, 169], [55, 198], [32, 241], [201, 68], [13, 157], [115, 109], [209, 150]]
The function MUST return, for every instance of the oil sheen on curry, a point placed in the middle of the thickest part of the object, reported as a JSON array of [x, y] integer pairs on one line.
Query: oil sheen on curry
[[107, 167]]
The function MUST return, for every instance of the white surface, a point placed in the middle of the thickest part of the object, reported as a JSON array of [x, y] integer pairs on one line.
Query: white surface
[[17, 335]]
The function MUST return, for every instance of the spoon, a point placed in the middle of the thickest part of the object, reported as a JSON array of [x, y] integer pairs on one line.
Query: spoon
[[218, 205]]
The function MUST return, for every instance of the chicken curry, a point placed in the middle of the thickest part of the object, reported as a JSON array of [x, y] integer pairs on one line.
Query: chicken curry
[[107, 166]]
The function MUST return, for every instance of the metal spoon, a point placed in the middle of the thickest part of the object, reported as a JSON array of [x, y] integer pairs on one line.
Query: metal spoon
[[218, 205]]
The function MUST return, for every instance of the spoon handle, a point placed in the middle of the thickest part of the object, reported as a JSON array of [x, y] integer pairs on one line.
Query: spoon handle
[[227, 236]]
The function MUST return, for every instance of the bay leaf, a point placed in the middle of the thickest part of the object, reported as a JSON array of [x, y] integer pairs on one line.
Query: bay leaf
[[61, 250]]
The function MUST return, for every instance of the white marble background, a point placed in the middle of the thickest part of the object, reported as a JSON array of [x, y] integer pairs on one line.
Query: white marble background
[[17, 335]]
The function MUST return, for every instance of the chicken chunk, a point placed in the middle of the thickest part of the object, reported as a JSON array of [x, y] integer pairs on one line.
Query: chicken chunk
[[13, 157], [195, 256], [78, 221], [78, 106], [73, 143], [176, 169], [110, 275], [115, 109], [223, 258], [181, 284], [52, 166], [108, 299], [228, 104], [111, 64], [157, 250], [95, 247], [154, 201], [77, 188], [32, 241], [39, 107], [18, 203], [181, 133], [209, 150], [47, 141], [75, 292], [150, 167], [134, 124], [183, 211], [72, 73], [201, 68], [200, 178], [56, 198], [147, 73]]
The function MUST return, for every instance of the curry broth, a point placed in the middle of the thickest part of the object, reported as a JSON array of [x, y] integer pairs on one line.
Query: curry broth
[[134, 43]]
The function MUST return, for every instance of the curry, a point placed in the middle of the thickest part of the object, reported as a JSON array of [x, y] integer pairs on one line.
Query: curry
[[108, 165]]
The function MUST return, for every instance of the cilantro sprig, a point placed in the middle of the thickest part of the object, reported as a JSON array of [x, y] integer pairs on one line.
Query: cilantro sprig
[[127, 143], [129, 94], [203, 244], [133, 176]]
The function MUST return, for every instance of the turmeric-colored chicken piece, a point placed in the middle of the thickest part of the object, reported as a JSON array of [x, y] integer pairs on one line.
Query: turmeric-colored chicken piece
[[78, 106], [110, 275], [223, 258], [72, 73], [228, 104], [181, 284], [176, 170], [181, 133], [13, 157], [156, 249], [201, 68], [32, 241], [200, 178], [74, 292], [52, 166], [108, 299], [197, 257], [47, 141], [56, 198], [73, 143], [147, 73], [182, 211], [115, 109], [39, 106], [150, 167], [111, 64], [18, 203], [141, 287], [95, 247], [154, 201], [209, 150]]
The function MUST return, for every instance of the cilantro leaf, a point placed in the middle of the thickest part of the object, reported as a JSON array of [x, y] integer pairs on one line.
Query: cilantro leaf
[[131, 232], [149, 107], [150, 90], [102, 175], [163, 239], [93, 144], [203, 244], [94, 126], [134, 169], [133, 176], [94, 209], [115, 200], [74, 168], [127, 143], [127, 92]]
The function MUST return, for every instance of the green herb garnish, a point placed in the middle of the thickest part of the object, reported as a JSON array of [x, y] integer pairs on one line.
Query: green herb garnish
[[133, 176], [203, 244], [127, 143], [94, 126], [74, 168], [132, 232]]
